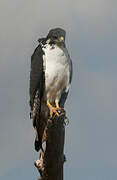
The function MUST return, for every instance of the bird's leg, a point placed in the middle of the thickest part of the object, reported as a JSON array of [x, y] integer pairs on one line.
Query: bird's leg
[[52, 109], [57, 106]]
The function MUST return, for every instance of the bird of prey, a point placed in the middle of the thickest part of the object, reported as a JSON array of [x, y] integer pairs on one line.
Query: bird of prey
[[50, 78]]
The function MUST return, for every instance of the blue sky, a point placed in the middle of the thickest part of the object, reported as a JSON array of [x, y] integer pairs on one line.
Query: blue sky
[[91, 26]]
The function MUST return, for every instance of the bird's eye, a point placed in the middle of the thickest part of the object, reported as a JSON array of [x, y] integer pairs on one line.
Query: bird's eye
[[54, 37]]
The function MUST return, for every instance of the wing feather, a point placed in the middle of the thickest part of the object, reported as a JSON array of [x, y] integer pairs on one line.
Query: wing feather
[[37, 86], [36, 76], [64, 93]]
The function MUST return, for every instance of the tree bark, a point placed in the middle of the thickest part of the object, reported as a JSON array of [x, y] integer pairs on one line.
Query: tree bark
[[50, 163]]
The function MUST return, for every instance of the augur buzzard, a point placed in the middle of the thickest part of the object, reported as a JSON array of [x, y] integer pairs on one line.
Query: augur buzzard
[[50, 78]]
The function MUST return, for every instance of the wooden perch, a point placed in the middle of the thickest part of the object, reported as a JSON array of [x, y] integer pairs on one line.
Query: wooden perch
[[50, 163]]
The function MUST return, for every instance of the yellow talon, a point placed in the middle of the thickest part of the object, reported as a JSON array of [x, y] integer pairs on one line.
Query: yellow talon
[[53, 109]]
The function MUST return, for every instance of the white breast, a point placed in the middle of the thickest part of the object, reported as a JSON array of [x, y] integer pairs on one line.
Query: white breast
[[56, 71]]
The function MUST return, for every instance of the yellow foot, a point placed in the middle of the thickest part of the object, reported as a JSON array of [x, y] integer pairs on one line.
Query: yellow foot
[[57, 106], [52, 109]]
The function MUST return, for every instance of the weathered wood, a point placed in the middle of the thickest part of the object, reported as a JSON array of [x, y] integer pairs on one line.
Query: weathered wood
[[50, 163]]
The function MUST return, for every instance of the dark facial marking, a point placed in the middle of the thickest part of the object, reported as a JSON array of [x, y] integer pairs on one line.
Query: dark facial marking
[[51, 42]]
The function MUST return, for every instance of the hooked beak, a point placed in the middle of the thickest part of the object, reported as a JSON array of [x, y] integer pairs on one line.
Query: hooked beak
[[61, 39]]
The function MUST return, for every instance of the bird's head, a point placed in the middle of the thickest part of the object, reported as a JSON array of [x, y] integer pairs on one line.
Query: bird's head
[[56, 36]]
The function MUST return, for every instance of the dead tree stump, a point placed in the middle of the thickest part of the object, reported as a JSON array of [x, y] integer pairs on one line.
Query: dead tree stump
[[50, 163]]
